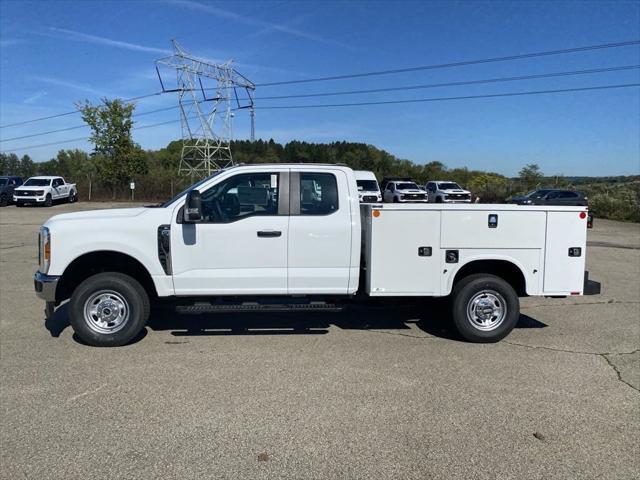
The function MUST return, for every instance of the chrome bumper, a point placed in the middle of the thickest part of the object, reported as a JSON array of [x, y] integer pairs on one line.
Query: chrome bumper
[[45, 286]]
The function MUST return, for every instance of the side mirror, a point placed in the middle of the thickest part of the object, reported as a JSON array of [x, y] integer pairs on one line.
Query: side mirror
[[193, 207]]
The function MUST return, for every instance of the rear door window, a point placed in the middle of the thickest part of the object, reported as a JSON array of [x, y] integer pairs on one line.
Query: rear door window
[[318, 193]]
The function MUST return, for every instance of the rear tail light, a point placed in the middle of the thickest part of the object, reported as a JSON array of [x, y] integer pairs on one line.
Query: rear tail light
[[590, 220]]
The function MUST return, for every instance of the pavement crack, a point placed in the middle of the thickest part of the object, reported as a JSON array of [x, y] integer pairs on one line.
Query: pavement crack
[[604, 355], [399, 334], [615, 369], [13, 246], [603, 302]]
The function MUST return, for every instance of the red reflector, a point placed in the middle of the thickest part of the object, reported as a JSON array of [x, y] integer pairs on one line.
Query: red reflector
[[575, 293], [583, 215]]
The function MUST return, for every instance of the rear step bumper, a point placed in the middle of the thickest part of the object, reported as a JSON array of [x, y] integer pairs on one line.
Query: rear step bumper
[[205, 307], [591, 287]]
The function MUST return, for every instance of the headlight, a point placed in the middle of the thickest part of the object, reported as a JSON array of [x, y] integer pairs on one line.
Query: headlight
[[39, 192], [44, 250]]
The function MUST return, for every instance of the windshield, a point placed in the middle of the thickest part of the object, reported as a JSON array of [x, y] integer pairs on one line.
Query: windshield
[[407, 186], [449, 186], [190, 187], [37, 182], [537, 193], [367, 185], [3, 182]]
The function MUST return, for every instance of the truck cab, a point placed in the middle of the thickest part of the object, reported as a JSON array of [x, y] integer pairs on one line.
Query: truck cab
[[259, 236]]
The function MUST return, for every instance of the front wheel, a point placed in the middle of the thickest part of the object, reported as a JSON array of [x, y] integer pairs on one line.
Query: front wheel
[[485, 308], [48, 200], [4, 200], [108, 309]]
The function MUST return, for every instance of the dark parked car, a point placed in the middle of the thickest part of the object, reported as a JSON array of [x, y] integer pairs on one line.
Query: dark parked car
[[7, 185], [551, 196]]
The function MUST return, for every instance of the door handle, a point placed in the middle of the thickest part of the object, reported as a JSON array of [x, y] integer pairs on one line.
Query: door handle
[[269, 233]]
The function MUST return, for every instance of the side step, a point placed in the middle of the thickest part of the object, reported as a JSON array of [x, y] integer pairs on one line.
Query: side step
[[205, 307]]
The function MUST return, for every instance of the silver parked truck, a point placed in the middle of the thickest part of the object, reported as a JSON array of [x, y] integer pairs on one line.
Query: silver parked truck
[[295, 237]]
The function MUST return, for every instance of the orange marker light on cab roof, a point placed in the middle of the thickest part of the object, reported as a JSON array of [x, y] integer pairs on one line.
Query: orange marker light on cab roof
[[376, 213]]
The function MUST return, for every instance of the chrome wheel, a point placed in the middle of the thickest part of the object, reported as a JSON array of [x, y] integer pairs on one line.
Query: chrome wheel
[[486, 310], [106, 312]]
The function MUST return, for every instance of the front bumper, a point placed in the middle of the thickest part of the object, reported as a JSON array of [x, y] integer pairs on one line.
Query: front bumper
[[28, 200], [45, 286], [413, 200]]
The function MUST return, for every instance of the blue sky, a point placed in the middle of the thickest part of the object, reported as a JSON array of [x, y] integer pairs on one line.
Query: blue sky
[[53, 53]]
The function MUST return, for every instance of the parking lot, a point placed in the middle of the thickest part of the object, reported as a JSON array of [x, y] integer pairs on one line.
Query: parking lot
[[385, 393]]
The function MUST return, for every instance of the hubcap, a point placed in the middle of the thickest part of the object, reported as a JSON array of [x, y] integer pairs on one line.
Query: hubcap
[[106, 311], [486, 310]]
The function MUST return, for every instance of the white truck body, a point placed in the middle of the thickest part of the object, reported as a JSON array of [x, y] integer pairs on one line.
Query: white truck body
[[310, 244], [42, 190], [368, 187]]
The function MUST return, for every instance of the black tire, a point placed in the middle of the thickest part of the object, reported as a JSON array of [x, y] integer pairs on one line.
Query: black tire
[[395, 199], [478, 298], [73, 196], [438, 199], [118, 284], [48, 201], [4, 200]]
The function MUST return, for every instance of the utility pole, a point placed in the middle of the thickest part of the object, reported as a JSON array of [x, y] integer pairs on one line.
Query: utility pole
[[206, 120]]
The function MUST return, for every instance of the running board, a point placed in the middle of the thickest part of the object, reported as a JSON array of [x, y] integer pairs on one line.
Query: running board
[[259, 307]]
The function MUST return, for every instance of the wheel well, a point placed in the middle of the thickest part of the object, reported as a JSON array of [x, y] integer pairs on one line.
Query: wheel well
[[504, 269], [103, 261]]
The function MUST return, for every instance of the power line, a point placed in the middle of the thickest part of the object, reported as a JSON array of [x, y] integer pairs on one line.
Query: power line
[[140, 97], [81, 126], [455, 64], [435, 99], [375, 90], [454, 84], [466, 97]]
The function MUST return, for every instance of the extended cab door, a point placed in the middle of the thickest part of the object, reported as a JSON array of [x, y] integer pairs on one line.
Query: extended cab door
[[319, 232], [240, 247], [59, 188]]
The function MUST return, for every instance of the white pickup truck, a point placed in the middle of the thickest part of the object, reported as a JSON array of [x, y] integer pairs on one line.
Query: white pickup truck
[[44, 190], [272, 237]]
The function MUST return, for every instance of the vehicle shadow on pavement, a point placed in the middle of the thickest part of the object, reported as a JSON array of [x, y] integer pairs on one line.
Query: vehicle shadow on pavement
[[430, 317]]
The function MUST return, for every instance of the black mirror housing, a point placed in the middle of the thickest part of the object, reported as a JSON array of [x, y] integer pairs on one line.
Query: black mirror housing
[[193, 207]]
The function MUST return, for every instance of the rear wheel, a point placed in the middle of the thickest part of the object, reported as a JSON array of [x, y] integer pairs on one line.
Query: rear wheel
[[485, 308], [73, 197], [108, 309]]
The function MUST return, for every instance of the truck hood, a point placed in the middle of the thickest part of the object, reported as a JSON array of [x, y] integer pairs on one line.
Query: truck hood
[[455, 190], [411, 190], [98, 214], [30, 189]]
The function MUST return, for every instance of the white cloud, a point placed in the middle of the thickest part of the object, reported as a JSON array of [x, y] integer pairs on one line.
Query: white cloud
[[8, 42], [107, 42], [264, 25], [71, 85], [36, 96]]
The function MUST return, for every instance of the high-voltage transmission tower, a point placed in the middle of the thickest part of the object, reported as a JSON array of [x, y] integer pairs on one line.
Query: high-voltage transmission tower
[[206, 112]]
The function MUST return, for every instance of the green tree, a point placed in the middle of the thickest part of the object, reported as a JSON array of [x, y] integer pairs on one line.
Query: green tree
[[120, 159], [530, 176]]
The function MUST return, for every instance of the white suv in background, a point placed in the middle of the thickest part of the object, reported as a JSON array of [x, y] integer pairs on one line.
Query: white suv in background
[[403, 191], [368, 188], [447, 192]]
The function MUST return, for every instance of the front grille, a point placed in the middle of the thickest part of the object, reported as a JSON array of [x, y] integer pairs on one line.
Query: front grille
[[24, 193], [414, 196], [369, 198], [458, 196]]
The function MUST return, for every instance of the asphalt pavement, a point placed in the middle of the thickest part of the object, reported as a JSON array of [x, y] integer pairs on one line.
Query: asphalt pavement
[[383, 393]]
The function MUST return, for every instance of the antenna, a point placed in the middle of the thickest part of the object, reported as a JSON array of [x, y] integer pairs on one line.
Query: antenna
[[206, 120]]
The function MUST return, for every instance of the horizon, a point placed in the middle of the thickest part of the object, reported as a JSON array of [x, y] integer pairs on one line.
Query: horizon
[[53, 54]]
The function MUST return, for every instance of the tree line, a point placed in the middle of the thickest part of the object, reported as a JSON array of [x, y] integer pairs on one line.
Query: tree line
[[105, 173]]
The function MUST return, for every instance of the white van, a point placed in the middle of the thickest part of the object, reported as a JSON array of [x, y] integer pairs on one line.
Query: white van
[[368, 188]]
